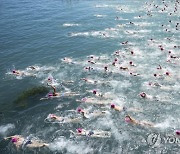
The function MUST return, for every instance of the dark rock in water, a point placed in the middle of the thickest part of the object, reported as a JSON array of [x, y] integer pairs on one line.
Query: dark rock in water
[[35, 91]]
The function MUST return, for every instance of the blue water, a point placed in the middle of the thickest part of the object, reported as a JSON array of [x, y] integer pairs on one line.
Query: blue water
[[41, 33]]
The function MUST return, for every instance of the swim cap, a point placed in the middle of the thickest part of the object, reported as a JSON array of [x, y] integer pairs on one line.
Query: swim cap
[[115, 59], [155, 75], [143, 94], [84, 99], [50, 95], [79, 110], [79, 130], [167, 73], [14, 139], [132, 52], [14, 71], [94, 91], [112, 106], [130, 62], [127, 119], [177, 132]]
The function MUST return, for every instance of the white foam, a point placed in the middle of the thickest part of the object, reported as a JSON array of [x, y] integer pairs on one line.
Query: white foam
[[5, 129], [70, 25], [70, 146], [99, 15]]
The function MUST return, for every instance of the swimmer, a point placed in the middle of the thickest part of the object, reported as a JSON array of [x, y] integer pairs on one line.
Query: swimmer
[[53, 118], [124, 68], [120, 109], [32, 67], [55, 94], [91, 100], [21, 142], [131, 63], [91, 133], [21, 73], [88, 68], [129, 119], [18, 73], [86, 115], [134, 74], [105, 68], [144, 95], [67, 60], [91, 62], [97, 93], [125, 43], [89, 81]]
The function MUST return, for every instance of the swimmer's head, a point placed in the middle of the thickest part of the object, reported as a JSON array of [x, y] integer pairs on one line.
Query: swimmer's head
[[14, 71], [113, 63], [155, 75], [94, 92], [178, 132], [115, 59], [52, 116], [79, 130], [143, 94], [49, 79], [130, 62], [112, 106], [84, 99], [132, 52], [128, 119], [167, 73], [105, 67], [79, 110], [14, 139], [50, 95], [124, 108]]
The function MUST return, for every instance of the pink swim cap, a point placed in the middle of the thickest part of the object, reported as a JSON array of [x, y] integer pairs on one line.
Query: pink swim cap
[[79, 110], [127, 119], [143, 94], [112, 106], [177, 132], [49, 79], [50, 95], [79, 130], [84, 99], [14, 139], [94, 91]]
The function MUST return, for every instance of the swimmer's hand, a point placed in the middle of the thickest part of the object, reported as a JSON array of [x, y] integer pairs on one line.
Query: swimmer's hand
[[45, 145], [45, 98]]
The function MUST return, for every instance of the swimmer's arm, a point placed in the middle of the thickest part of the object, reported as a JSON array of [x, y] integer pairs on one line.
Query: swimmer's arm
[[135, 110], [9, 137], [145, 123], [118, 109], [44, 98], [75, 120]]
